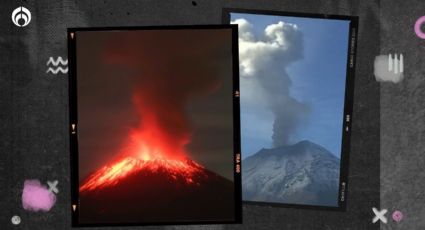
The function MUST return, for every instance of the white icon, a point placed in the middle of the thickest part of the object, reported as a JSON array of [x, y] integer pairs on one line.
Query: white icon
[[19, 14], [52, 186], [16, 220], [389, 68], [59, 61], [395, 65], [379, 215]]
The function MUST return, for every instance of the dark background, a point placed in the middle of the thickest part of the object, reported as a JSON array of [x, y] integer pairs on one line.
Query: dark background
[[387, 123]]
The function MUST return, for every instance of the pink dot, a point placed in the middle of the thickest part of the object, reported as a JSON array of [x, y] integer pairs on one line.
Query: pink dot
[[418, 25], [397, 216]]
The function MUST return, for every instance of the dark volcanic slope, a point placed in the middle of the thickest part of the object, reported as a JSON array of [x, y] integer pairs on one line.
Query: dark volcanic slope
[[160, 196]]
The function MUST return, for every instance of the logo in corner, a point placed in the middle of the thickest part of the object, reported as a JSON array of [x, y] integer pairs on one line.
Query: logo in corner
[[21, 16]]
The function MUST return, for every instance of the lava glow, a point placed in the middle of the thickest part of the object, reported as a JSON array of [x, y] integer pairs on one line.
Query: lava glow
[[142, 157], [111, 175]]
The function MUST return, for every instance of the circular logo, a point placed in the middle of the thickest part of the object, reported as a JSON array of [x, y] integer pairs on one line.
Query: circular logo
[[418, 25], [16, 220], [21, 16], [397, 216]]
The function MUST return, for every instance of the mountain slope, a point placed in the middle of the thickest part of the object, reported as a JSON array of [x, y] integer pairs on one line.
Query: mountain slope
[[303, 173], [157, 190]]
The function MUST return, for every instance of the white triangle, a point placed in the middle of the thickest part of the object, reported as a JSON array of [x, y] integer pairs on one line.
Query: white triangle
[[74, 207]]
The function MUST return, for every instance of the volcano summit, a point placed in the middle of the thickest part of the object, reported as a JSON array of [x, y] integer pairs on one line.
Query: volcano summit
[[155, 190], [302, 173]]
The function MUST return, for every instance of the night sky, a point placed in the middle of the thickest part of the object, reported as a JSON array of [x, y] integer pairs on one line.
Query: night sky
[[112, 65]]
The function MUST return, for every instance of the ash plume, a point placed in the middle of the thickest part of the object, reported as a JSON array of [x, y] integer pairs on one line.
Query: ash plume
[[263, 63]]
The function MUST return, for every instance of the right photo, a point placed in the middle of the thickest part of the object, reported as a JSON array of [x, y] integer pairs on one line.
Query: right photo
[[295, 107]]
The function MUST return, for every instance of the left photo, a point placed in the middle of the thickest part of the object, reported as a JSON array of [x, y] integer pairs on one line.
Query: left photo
[[154, 125]]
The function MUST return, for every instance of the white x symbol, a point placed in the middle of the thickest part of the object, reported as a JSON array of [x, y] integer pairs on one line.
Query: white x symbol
[[379, 215], [52, 186]]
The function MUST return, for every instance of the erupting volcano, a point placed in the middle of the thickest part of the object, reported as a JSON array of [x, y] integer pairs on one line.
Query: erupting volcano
[[155, 180], [110, 175], [155, 188], [141, 156], [147, 184], [170, 163]]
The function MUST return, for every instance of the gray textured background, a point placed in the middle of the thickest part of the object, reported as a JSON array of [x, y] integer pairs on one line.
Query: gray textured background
[[402, 117], [387, 123]]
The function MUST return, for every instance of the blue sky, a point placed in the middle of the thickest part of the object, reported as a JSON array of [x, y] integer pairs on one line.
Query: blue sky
[[318, 80]]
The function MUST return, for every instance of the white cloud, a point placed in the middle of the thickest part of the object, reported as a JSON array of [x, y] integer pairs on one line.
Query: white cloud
[[245, 29]]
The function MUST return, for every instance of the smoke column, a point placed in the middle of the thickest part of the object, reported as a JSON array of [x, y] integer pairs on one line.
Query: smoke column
[[263, 62], [170, 69]]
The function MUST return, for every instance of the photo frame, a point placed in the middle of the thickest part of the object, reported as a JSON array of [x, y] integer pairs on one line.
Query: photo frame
[[154, 125], [272, 171]]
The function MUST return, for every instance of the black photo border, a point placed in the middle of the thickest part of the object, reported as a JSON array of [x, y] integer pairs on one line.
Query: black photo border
[[348, 100], [73, 123]]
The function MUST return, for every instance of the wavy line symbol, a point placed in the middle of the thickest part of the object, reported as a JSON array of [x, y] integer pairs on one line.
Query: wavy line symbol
[[57, 70], [58, 60], [56, 63], [21, 14]]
